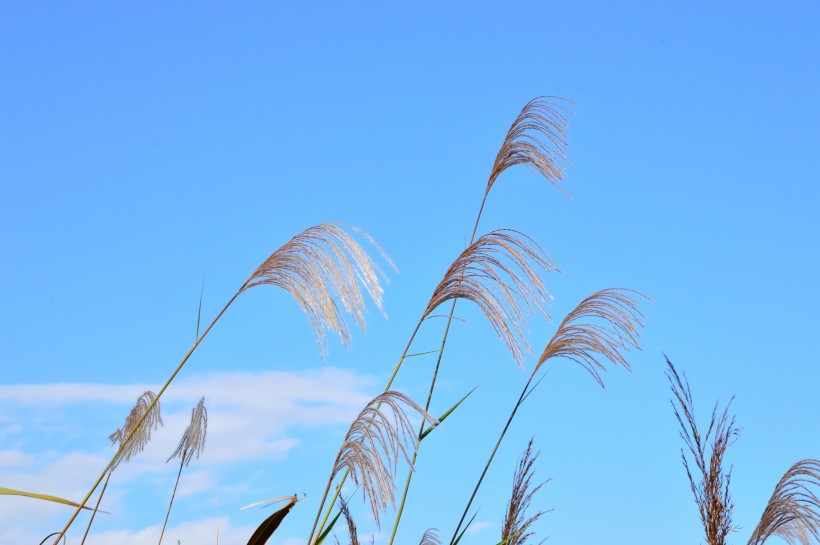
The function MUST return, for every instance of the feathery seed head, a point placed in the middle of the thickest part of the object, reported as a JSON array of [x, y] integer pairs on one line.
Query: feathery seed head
[[322, 268], [793, 511], [193, 440], [537, 139], [142, 434], [430, 537], [516, 524], [590, 344], [711, 490], [498, 272], [372, 446]]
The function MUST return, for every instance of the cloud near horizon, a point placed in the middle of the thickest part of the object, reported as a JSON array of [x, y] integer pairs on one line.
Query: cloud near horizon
[[251, 416]]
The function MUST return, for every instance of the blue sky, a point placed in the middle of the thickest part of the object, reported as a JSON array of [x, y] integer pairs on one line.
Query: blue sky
[[144, 149]]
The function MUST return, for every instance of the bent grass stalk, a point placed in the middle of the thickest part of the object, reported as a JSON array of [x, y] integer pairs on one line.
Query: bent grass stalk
[[586, 343], [313, 266], [146, 407], [498, 273]]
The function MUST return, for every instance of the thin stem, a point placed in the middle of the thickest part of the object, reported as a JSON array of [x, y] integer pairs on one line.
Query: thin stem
[[174, 493], [518, 403], [146, 413], [94, 512]]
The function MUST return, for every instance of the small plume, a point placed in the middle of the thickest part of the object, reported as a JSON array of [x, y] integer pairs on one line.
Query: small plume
[[590, 344], [711, 490], [193, 440], [142, 435], [351, 526], [516, 525], [322, 267], [372, 446], [498, 273], [430, 537], [793, 511], [537, 139]]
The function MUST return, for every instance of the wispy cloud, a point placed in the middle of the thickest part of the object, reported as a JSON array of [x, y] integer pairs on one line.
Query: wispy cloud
[[479, 526], [192, 532], [252, 416]]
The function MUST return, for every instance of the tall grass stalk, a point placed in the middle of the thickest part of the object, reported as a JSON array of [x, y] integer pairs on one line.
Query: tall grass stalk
[[316, 266], [536, 139], [545, 155], [601, 328]]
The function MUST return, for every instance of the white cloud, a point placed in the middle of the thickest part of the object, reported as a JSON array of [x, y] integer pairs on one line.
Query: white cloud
[[14, 459], [251, 416], [479, 526], [187, 533]]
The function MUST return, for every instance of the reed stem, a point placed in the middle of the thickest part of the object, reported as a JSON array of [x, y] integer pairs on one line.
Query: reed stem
[[145, 414]]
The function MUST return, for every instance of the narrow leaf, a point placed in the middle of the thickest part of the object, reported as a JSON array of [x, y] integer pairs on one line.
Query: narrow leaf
[[466, 527], [422, 353], [446, 414], [45, 497], [328, 529]]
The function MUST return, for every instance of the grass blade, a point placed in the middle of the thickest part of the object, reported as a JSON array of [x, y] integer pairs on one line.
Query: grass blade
[[446, 414], [45, 497], [466, 527], [328, 529]]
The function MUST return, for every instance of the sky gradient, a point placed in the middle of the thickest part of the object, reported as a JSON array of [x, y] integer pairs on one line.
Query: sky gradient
[[147, 149]]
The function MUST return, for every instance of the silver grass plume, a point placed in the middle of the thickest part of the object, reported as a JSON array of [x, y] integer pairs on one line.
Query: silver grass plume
[[711, 490], [372, 446], [498, 272], [793, 512], [590, 344], [537, 139], [142, 435], [193, 440], [322, 268], [430, 537], [516, 525]]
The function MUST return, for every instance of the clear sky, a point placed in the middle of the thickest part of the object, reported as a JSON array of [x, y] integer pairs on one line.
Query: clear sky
[[145, 148]]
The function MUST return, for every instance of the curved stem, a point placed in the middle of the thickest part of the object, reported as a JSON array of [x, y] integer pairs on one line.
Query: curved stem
[[174, 493], [146, 413]]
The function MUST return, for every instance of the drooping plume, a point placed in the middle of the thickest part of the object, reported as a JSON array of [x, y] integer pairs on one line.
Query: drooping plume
[[430, 537], [793, 511], [371, 449], [499, 273], [537, 139], [142, 435], [322, 268], [602, 327], [711, 489]]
